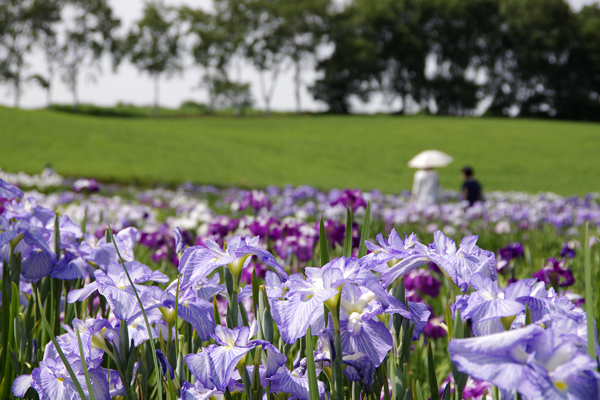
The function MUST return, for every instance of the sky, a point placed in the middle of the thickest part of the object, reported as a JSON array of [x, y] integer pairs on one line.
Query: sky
[[128, 85]]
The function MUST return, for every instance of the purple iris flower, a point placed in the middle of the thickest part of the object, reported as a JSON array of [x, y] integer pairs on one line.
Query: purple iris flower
[[352, 198], [27, 209], [334, 231], [510, 252], [389, 252], [568, 250], [295, 383], [179, 242], [115, 287], [197, 391], [546, 305], [193, 309], [461, 264], [361, 331], [303, 248], [536, 362], [254, 266], [52, 381], [198, 262], [489, 303], [222, 226], [136, 326], [473, 389], [86, 185], [91, 332], [423, 282], [261, 226], [8, 191], [358, 367], [165, 367], [71, 266], [434, 329], [222, 359], [303, 305], [555, 274], [38, 258], [102, 253]]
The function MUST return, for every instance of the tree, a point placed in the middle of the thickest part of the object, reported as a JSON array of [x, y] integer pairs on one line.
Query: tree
[[219, 44], [378, 47], [89, 35], [154, 44], [22, 21], [281, 30]]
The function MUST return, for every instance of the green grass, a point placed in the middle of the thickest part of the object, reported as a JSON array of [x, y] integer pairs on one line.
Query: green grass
[[326, 151]]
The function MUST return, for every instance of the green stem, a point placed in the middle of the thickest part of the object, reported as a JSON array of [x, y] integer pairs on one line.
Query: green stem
[[88, 382], [151, 339], [589, 295]]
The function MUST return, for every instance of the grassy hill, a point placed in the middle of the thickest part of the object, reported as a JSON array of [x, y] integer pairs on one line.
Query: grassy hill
[[326, 151]]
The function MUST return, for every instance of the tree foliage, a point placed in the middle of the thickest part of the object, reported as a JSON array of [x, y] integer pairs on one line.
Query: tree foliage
[[154, 44]]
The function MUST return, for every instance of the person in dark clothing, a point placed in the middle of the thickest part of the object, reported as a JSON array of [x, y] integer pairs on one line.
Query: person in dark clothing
[[471, 188]]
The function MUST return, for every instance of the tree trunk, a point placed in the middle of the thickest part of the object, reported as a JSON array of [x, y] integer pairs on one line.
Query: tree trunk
[[156, 95], [49, 95], [17, 93], [17, 85], [73, 85], [297, 83], [265, 93]]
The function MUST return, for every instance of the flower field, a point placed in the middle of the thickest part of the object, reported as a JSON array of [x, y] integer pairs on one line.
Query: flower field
[[111, 291]]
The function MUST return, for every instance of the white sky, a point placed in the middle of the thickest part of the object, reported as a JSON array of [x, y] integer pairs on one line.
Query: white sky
[[128, 85]]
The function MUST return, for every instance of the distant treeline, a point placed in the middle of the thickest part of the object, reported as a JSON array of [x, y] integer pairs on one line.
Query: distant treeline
[[534, 58]]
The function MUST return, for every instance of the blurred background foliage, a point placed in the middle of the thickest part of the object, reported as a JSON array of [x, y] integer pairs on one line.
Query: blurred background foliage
[[533, 58]]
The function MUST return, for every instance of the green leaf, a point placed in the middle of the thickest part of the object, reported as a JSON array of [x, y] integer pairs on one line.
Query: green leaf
[[400, 387], [432, 377], [408, 395], [216, 308], [310, 363], [323, 244], [88, 382], [458, 331], [254, 290], [59, 350], [267, 319], [246, 380], [406, 344], [365, 232], [449, 322], [348, 238], [589, 295], [418, 392]]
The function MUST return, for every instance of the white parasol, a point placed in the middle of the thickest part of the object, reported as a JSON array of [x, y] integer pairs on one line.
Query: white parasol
[[430, 159]]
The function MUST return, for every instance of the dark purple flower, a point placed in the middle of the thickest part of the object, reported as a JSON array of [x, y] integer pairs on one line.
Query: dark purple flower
[[422, 281], [351, 198], [261, 226], [433, 266], [87, 185], [222, 226], [555, 274], [260, 268], [304, 248], [512, 251], [334, 231], [568, 250], [434, 329]]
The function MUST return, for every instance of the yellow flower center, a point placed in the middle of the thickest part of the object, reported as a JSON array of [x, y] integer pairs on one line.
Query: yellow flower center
[[560, 386]]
